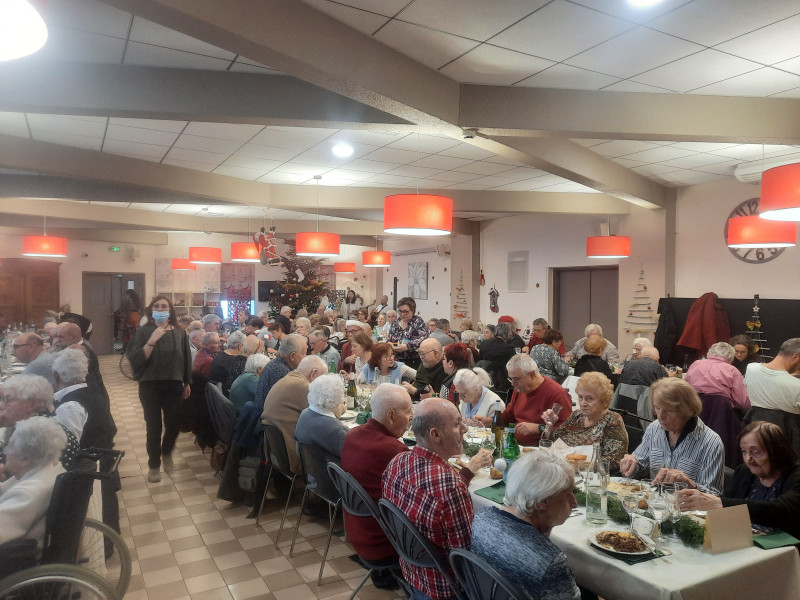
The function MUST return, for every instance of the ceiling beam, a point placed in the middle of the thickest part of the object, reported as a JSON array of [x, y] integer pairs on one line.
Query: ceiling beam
[[38, 86], [509, 111]]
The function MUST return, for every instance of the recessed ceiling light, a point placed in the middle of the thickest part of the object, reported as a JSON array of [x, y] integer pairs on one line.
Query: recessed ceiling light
[[342, 150], [644, 3]]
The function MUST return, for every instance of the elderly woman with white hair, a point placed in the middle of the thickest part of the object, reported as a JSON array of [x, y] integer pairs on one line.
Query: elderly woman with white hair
[[244, 388], [25, 396], [32, 462], [478, 402], [717, 375], [229, 364], [318, 424], [539, 497]]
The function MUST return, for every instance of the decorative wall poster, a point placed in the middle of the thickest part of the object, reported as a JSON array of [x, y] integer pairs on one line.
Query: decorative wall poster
[[163, 275], [418, 280], [211, 277], [461, 306]]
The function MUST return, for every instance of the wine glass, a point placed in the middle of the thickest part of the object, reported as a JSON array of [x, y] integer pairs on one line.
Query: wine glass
[[659, 508], [630, 503], [362, 397], [674, 507]]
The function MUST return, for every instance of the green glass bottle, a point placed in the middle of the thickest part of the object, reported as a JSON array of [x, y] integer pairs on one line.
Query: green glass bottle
[[510, 449]]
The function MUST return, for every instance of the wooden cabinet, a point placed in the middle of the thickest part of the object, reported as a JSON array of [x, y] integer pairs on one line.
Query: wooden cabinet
[[28, 287]]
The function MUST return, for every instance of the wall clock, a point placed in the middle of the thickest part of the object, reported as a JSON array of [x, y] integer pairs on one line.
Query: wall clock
[[750, 255]]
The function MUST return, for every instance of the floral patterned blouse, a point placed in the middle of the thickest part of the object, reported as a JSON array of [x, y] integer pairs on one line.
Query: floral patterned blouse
[[412, 335], [609, 431]]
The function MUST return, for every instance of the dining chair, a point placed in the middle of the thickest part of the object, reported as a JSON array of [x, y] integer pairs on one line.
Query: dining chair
[[319, 483], [357, 502], [413, 547], [278, 460], [480, 580]]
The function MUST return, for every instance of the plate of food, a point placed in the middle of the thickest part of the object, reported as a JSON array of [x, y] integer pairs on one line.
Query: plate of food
[[622, 488], [619, 542], [348, 415]]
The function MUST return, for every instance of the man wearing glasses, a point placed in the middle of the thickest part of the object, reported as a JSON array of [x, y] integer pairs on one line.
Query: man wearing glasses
[[29, 349], [430, 373], [533, 395]]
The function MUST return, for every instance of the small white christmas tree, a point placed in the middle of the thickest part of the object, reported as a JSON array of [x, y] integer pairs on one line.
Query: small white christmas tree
[[640, 318]]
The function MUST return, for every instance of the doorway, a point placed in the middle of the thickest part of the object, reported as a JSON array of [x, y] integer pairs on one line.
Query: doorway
[[584, 295], [102, 294]]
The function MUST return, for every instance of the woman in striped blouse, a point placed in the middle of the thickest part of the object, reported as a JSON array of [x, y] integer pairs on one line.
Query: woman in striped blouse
[[678, 444]]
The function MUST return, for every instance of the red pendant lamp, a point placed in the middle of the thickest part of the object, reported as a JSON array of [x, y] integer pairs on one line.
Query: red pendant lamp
[[376, 258], [205, 255], [418, 214], [244, 252], [317, 243], [44, 245], [608, 246], [754, 232], [780, 193], [183, 264], [344, 267]]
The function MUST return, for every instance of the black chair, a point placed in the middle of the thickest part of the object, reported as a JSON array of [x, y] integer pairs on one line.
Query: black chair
[[278, 459], [413, 547], [357, 502], [480, 580], [319, 483]]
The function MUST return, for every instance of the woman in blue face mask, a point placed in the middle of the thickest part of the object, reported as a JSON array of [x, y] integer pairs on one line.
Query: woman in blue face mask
[[162, 364]]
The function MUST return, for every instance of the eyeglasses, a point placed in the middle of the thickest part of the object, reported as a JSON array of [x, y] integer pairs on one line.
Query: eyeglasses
[[514, 380], [403, 311], [422, 353]]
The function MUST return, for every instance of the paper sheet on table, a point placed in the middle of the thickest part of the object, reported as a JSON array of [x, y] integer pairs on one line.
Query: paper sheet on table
[[561, 450]]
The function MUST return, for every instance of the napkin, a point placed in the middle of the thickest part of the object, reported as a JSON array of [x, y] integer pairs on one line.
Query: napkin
[[495, 492], [775, 539], [561, 450]]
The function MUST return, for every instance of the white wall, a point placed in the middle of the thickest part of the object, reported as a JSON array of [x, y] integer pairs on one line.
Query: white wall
[[439, 285]]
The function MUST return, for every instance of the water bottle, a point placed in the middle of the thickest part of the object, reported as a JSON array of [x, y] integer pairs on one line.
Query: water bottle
[[596, 489]]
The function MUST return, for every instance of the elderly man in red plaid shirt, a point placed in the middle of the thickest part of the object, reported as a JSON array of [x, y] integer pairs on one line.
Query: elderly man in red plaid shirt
[[434, 494]]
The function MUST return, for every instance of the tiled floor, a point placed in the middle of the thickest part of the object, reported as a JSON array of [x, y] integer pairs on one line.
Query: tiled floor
[[186, 543]]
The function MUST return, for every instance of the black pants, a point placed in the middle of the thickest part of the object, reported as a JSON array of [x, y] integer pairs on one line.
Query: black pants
[[157, 397]]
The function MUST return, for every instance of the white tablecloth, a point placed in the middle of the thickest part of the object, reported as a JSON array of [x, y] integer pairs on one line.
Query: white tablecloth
[[688, 574]]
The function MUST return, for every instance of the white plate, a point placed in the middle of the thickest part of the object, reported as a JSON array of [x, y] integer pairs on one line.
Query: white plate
[[348, 415], [593, 541]]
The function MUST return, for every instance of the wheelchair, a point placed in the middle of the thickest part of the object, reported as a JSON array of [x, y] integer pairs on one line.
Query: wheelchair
[[74, 563]]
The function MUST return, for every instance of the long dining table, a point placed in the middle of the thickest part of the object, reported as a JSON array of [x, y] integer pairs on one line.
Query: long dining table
[[686, 574]]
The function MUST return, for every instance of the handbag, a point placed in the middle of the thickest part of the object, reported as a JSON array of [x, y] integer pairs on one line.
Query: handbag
[[219, 454]]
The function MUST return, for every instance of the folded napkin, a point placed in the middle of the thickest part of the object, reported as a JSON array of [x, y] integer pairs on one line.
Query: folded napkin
[[775, 539], [495, 492], [631, 560]]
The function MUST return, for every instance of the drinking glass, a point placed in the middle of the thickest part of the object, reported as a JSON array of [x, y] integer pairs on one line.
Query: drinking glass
[[672, 370], [630, 503], [659, 508], [674, 507], [362, 397], [546, 445]]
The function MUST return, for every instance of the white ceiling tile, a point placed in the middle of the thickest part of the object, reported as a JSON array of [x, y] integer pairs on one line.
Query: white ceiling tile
[[544, 181], [389, 179], [438, 161], [188, 164], [275, 177], [240, 172], [567, 77], [712, 22], [426, 46], [690, 177], [207, 144], [361, 136], [223, 131], [770, 44], [362, 20], [658, 154], [654, 169], [155, 56], [625, 10], [491, 65], [520, 173], [141, 135], [472, 185], [251, 150], [792, 65], [621, 147], [484, 168], [323, 154], [392, 155], [634, 51], [66, 139], [465, 150], [90, 16], [741, 151], [185, 209], [299, 169], [519, 186], [388, 8], [720, 168], [151, 33], [294, 139], [793, 93], [315, 132], [13, 124], [626, 162], [756, 84], [413, 171], [197, 156], [114, 204], [429, 144], [346, 173], [498, 158], [155, 124], [588, 143], [475, 19], [570, 187], [154, 159], [82, 126], [560, 30], [631, 86], [694, 161], [129, 148], [454, 176], [151, 206], [702, 146], [697, 70], [240, 161], [492, 181], [79, 46], [371, 166]]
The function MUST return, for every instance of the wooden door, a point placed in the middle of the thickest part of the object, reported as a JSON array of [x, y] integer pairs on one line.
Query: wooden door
[[28, 287], [98, 309], [583, 296]]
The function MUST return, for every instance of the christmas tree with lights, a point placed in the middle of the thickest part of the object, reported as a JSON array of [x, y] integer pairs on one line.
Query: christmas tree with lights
[[300, 288]]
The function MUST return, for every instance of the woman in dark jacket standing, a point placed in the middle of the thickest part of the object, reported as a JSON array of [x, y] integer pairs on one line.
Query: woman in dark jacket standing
[[162, 364]]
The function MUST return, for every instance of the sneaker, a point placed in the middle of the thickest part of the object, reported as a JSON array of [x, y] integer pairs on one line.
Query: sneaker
[[167, 463], [154, 476]]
